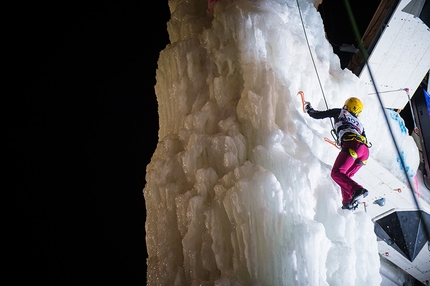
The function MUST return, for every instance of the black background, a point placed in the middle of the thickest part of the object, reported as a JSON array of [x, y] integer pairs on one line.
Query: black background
[[79, 127]]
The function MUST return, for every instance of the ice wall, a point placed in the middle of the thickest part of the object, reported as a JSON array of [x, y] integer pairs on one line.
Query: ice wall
[[238, 190]]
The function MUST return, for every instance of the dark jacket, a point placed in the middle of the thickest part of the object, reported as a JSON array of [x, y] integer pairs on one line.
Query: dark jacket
[[346, 125]]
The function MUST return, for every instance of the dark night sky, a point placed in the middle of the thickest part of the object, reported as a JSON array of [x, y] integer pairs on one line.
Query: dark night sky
[[79, 130], [80, 125]]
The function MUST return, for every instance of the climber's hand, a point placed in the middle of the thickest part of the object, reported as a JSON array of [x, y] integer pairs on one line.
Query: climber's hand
[[307, 107]]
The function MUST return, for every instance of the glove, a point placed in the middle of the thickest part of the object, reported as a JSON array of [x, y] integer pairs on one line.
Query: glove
[[307, 107]]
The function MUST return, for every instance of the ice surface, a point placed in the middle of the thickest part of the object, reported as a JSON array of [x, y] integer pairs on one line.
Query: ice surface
[[238, 190]]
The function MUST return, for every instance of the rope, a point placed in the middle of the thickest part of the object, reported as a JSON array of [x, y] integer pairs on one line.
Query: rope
[[416, 130], [333, 133], [366, 57], [313, 62]]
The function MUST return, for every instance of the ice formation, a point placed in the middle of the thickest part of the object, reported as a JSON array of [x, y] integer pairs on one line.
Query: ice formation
[[238, 189]]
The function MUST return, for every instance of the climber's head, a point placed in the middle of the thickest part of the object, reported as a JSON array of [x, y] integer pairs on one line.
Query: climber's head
[[353, 105]]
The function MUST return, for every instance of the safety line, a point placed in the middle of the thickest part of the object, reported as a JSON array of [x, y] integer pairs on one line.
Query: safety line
[[365, 56], [310, 52], [416, 130], [313, 62]]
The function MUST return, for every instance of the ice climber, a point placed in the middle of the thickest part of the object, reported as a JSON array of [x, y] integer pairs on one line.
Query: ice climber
[[354, 148]]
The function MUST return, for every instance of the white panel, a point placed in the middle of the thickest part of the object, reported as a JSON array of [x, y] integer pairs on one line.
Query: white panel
[[400, 59], [382, 184]]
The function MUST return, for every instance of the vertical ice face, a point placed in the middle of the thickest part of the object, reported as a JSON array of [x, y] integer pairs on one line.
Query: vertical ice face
[[238, 190]]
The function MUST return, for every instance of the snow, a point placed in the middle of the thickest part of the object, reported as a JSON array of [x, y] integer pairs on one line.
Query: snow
[[238, 189]]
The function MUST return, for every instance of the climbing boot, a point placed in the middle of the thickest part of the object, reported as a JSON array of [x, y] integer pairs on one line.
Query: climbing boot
[[358, 195]]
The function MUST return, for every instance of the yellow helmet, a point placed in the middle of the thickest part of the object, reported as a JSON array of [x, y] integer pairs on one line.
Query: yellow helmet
[[353, 105]]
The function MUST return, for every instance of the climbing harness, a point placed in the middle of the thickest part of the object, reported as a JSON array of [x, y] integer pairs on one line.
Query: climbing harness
[[359, 138]]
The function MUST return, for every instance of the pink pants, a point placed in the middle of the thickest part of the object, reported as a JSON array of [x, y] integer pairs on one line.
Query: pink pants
[[345, 167]]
